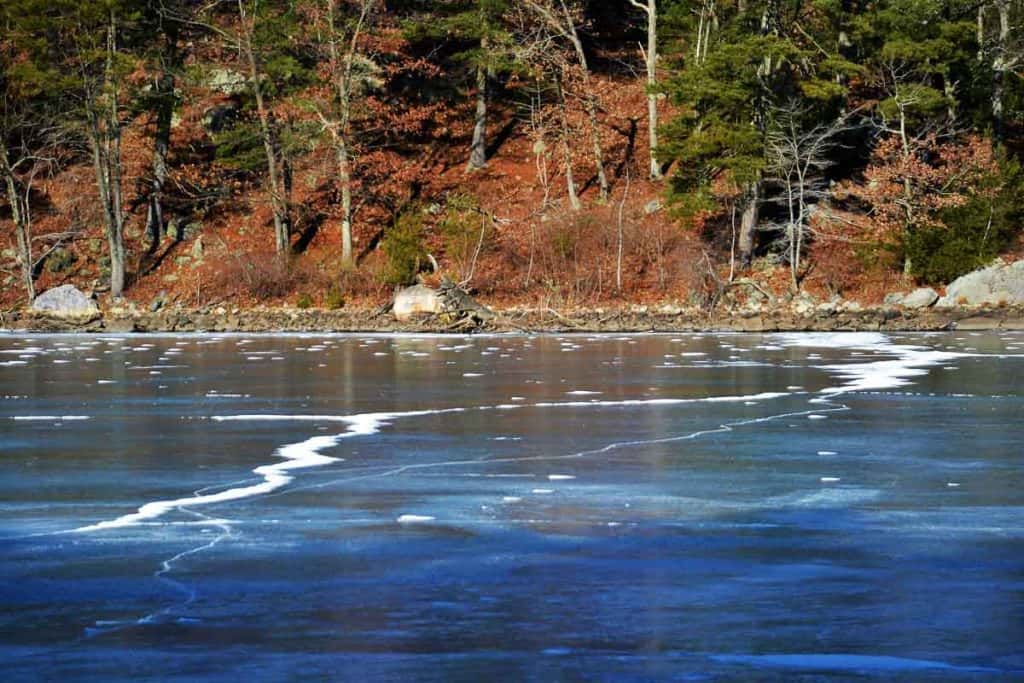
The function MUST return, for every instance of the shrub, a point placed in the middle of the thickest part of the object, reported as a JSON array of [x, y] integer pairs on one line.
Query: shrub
[[258, 276], [304, 301], [403, 248], [334, 298], [466, 231], [972, 234]]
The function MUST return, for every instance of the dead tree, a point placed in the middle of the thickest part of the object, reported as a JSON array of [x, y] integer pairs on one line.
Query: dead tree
[[797, 160]]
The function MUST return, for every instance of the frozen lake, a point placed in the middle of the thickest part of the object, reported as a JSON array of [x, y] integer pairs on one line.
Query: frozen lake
[[415, 508]]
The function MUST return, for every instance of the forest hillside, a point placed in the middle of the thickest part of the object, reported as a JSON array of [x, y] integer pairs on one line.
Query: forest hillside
[[560, 152]]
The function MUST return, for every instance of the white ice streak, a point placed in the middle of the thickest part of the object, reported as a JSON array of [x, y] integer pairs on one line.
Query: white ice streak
[[49, 418], [276, 475], [660, 401]]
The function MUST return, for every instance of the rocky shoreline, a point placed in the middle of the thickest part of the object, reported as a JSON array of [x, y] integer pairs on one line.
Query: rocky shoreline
[[665, 318]]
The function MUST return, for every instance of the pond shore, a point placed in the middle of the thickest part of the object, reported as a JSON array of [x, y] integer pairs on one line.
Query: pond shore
[[658, 318]]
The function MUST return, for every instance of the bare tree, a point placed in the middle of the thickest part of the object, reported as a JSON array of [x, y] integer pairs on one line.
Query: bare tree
[[562, 21], [797, 160], [539, 48], [103, 109], [247, 17], [1006, 54], [707, 18], [18, 190], [340, 28], [650, 7]]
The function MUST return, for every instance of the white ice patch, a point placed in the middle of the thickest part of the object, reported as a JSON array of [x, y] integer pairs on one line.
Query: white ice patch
[[415, 519], [560, 477], [909, 361], [49, 418]]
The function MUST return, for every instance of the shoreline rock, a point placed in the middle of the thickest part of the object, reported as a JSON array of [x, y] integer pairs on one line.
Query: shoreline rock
[[66, 301], [999, 284], [595, 320]]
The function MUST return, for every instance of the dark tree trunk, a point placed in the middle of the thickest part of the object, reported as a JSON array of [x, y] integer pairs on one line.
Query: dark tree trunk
[[748, 224], [161, 146], [478, 150]]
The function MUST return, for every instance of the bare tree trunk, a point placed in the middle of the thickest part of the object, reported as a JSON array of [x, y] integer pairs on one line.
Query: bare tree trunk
[[345, 180], [22, 229], [590, 103], [478, 150], [570, 183], [340, 128], [117, 275], [282, 218], [999, 68], [651, 59], [980, 32], [621, 236], [164, 87], [104, 135], [566, 26], [908, 189], [748, 224], [595, 133]]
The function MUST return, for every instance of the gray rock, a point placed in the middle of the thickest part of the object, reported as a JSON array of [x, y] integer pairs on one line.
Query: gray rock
[[416, 299], [119, 325], [653, 206], [226, 81], [65, 301], [995, 285], [893, 299], [802, 304], [922, 297], [158, 302], [197, 249]]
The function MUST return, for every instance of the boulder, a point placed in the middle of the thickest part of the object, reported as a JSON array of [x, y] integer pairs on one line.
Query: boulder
[[922, 297], [416, 300], [66, 301], [998, 284]]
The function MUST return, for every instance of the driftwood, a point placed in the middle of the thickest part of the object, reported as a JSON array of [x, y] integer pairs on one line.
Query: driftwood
[[458, 305]]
